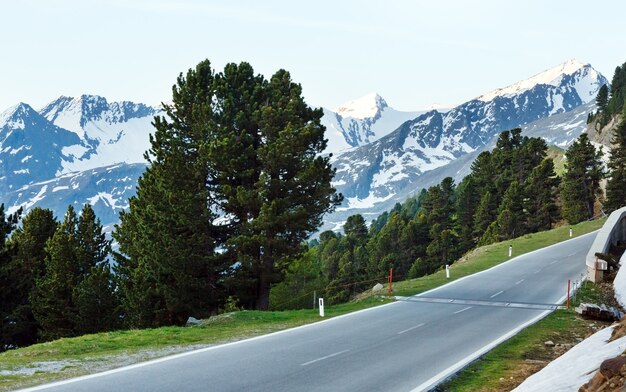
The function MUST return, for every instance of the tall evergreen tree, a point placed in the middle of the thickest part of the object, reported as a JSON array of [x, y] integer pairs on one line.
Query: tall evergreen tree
[[94, 296], [541, 194], [278, 187], [616, 183], [356, 228], [92, 246], [26, 266], [236, 145], [51, 299], [168, 268], [467, 200], [511, 217], [96, 302], [602, 99], [9, 282], [485, 214], [581, 181]]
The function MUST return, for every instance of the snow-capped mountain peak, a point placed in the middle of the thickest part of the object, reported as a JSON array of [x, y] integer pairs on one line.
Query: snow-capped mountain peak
[[553, 76], [368, 106], [75, 114], [14, 116]]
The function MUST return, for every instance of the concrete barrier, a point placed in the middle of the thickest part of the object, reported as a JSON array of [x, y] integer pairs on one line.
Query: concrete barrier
[[613, 231]]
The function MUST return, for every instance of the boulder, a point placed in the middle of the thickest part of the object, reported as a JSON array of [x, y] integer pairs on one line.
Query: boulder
[[378, 287], [191, 321]]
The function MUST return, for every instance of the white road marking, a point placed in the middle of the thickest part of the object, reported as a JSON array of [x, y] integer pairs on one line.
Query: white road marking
[[538, 271], [498, 293], [323, 358], [519, 281], [554, 261], [412, 328], [462, 310]]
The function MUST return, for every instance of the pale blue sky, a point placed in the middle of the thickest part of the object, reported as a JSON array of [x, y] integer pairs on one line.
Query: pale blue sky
[[413, 53]]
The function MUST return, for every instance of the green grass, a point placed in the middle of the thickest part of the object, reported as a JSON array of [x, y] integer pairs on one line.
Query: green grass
[[92, 353], [488, 256], [507, 365]]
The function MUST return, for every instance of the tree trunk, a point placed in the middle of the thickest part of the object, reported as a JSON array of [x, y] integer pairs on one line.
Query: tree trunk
[[263, 293]]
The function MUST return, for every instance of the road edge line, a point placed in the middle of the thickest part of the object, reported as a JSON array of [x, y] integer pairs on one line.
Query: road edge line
[[504, 263], [192, 352], [441, 376]]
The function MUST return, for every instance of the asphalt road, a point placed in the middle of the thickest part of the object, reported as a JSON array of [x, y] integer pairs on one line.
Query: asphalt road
[[407, 345]]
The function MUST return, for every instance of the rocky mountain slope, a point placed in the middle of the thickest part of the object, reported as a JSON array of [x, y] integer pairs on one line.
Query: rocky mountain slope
[[361, 121], [375, 176]]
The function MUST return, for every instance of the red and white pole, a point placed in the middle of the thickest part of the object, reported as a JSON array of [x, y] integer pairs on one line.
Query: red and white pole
[[568, 290]]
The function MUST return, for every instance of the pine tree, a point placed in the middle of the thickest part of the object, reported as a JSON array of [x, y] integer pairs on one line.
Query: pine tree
[[511, 217], [442, 248], [483, 173], [269, 174], [384, 248], [467, 201], [616, 183], [26, 266], [51, 299], [356, 228], [92, 246], [97, 305], [581, 181], [329, 253], [413, 242], [485, 215], [236, 145], [9, 282], [602, 99], [94, 297], [541, 194], [168, 268]]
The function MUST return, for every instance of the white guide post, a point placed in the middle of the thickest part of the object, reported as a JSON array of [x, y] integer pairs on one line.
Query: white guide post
[[321, 304], [510, 250], [570, 232], [447, 271]]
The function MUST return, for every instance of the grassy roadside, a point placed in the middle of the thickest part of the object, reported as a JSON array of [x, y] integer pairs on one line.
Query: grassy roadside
[[488, 256], [509, 364], [72, 357], [66, 358]]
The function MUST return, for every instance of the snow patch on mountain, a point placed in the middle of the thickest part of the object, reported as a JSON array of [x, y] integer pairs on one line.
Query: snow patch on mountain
[[367, 106], [12, 117], [110, 132], [377, 173], [586, 84], [361, 121]]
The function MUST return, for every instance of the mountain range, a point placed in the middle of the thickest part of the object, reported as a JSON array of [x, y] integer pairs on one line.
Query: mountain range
[[86, 149]]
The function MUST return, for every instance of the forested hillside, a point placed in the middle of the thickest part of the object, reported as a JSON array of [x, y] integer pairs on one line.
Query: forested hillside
[[511, 191]]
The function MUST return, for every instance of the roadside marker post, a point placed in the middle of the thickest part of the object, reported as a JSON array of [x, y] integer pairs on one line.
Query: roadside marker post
[[390, 281], [321, 304], [570, 232], [447, 271], [568, 289], [510, 250]]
